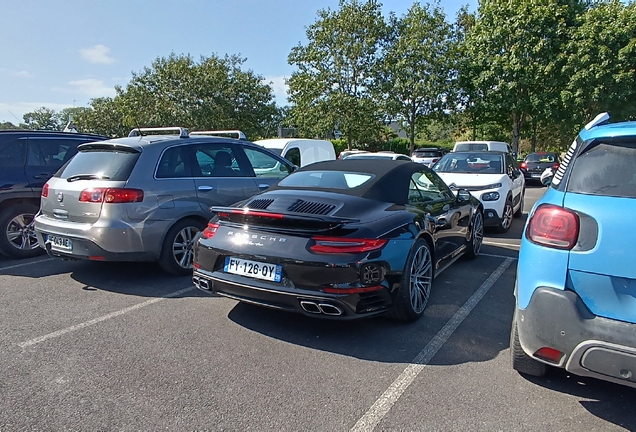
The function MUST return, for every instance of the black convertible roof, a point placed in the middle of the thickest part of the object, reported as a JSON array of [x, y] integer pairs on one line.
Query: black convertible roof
[[390, 183]]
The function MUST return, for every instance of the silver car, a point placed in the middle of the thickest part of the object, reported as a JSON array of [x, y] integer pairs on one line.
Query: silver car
[[145, 197]]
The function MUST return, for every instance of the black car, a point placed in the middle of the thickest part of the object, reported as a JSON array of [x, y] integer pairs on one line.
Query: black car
[[27, 160], [341, 239], [535, 163]]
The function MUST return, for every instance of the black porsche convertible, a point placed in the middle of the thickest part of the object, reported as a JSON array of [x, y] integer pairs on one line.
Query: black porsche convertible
[[340, 239]]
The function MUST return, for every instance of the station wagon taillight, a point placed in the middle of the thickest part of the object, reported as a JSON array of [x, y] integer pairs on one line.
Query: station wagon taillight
[[554, 227], [335, 245], [45, 190], [111, 195]]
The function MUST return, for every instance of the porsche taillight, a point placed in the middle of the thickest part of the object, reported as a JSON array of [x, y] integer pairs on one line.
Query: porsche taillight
[[337, 245], [210, 230]]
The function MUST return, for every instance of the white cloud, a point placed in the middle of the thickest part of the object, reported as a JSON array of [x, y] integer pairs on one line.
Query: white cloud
[[97, 54], [89, 87], [279, 87], [14, 73]]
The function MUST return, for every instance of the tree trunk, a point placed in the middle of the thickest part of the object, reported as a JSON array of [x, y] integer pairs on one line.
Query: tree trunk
[[411, 137], [516, 126]]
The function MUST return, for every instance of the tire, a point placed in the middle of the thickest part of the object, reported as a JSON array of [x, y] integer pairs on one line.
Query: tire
[[522, 362], [17, 237], [415, 286], [519, 212], [506, 218], [476, 236], [176, 253]]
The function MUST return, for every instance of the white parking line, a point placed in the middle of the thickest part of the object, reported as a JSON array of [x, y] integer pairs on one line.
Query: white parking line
[[510, 245], [102, 318], [26, 264], [381, 407], [497, 256]]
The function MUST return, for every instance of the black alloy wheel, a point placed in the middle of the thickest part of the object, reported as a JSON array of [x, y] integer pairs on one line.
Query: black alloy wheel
[[476, 236]]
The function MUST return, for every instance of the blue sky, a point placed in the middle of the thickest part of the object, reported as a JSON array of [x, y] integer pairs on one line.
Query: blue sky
[[60, 54]]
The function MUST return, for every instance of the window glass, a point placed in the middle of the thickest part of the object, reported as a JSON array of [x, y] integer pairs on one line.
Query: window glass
[[265, 165], [104, 164], [605, 168], [429, 186], [293, 155], [217, 160], [469, 162], [51, 152], [326, 179], [12, 153], [174, 163], [471, 147]]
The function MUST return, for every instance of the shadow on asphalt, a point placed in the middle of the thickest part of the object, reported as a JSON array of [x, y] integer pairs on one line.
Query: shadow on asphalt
[[608, 401]]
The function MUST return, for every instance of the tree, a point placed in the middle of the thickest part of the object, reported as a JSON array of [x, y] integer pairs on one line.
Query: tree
[[601, 64], [417, 70], [214, 93], [514, 47], [41, 119], [8, 125], [330, 89]]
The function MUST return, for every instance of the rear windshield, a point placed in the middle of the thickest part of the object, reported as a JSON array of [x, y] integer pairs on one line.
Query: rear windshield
[[430, 153], [109, 165], [605, 168], [541, 157], [326, 179], [471, 147]]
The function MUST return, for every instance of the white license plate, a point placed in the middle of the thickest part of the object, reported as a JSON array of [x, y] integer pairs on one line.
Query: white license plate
[[255, 269], [60, 243], [536, 175]]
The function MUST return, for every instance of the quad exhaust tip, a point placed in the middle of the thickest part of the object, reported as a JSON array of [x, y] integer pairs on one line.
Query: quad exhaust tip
[[201, 283], [313, 307]]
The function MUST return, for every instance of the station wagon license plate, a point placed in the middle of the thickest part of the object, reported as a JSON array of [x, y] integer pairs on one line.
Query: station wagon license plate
[[60, 243], [536, 175], [255, 269]]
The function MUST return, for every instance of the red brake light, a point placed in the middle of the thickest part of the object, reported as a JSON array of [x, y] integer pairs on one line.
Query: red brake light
[[45, 190], [549, 354], [249, 212], [523, 165], [553, 226], [210, 230], [435, 160], [111, 195], [555, 166], [345, 245]]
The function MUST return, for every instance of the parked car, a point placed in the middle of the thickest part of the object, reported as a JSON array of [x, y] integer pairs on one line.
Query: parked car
[[379, 155], [499, 146], [27, 160], [343, 154], [493, 177], [536, 163], [428, 156], [300, 151], [145, 197], [343, 239], [576, 280]]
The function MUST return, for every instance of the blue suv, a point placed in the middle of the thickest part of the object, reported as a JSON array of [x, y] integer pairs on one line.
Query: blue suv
[[576, 279]]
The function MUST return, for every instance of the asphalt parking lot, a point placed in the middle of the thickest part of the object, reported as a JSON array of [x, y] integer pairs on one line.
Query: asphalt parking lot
[[121, 346]]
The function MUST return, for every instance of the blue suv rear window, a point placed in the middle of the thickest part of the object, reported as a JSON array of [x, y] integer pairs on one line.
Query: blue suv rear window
[[607, 168]]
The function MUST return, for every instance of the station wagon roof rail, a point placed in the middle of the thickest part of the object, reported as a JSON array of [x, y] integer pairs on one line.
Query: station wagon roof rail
[[239, 134], [182, 132]]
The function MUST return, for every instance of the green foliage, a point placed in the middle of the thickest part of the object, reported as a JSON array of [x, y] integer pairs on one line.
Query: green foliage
[[330, 89], [8, 125], [416, 74], [41, 119]]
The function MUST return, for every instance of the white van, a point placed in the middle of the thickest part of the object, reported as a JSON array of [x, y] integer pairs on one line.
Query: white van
[[482, 146], [300, 151]]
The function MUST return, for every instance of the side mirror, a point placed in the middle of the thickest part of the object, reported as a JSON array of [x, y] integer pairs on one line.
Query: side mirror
[[463, 195], [452, 186], [547, 176]]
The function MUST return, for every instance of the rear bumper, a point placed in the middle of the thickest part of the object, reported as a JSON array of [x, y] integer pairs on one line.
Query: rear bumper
[[104, 240], [591, 345], [293, 299]]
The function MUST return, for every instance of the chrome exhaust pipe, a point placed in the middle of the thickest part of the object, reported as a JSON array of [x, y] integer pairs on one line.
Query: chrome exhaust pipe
[[201, 283], [329, 309], [311, 307]]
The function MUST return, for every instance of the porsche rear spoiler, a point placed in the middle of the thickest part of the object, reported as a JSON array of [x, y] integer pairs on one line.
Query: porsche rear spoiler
[[291, 221]]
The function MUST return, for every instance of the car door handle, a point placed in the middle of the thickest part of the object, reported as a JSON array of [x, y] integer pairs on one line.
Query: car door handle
[[42, 176], [263, 186], [205, 188]]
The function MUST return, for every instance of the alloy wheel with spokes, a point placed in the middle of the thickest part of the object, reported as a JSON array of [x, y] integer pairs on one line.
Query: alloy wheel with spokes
[[506, 218], [17, 238], [477, 236], [177, 254], [421, 276], [182, 246]]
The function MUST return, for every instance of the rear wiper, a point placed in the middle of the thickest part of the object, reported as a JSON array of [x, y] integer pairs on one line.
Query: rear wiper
[[87, 177]]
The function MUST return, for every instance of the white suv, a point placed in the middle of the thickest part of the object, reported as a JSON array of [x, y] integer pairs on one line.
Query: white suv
[[493, 177]]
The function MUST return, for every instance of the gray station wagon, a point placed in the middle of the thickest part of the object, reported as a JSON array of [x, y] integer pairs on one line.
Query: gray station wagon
[[145, 197]]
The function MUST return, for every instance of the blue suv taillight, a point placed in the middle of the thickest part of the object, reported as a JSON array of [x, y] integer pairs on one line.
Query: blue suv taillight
[[554, 227]]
